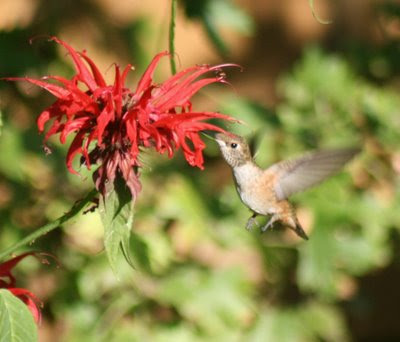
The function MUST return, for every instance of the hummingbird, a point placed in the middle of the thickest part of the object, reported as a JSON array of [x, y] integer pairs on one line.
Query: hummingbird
[[266, 192]]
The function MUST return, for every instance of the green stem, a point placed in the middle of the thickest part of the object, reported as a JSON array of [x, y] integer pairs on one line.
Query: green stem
[[172, 37], [78, 206]]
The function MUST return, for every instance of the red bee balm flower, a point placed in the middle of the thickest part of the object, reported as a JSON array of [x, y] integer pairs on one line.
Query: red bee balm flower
[[120, 120], [7, 281]]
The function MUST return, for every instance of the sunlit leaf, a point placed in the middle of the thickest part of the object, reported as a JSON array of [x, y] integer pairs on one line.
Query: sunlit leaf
[[216, 13], [16, 321], [192, 291], [116, 210], [227, 13], [309, 322]]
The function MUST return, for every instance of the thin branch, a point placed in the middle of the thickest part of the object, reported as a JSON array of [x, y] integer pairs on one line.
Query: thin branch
[[316, 16], [78, 206], [172, 36]]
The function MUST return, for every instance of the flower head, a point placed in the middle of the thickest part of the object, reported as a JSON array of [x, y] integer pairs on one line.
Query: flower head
[[8, 281], [112, 122]]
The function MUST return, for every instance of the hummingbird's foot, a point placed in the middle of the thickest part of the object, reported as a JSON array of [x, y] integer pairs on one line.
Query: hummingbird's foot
[[251, 222], [269, 223]]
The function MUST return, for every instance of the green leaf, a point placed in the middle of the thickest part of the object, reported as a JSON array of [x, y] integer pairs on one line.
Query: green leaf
[[16, 321], [116, 212], [317, 270], [310, 322], [227, 13], [191, 292], [216, 13], [391, 9], [140, 251], [214, 35]]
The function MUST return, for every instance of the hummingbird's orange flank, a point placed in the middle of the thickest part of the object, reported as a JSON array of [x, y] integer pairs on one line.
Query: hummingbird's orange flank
[[266, 192]]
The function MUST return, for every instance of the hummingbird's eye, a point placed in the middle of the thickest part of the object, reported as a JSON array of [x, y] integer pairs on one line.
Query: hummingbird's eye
[[233, 145]]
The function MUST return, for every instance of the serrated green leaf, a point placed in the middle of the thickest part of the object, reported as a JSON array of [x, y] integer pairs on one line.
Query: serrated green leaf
[[16, 321], [116, 212], [140, 251]]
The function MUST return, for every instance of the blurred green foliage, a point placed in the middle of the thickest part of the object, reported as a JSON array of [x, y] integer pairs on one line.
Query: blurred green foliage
[[199, 275], [214, 14]]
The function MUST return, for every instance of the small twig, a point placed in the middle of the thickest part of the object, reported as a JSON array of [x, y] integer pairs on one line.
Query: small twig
[[172, 37], [77, 207], [316, 16]]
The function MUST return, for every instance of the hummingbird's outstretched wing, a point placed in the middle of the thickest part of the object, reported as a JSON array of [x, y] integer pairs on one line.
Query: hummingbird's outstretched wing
[[302, 173]]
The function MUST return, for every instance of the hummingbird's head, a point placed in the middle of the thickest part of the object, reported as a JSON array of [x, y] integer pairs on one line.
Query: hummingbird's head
[[234, 149]]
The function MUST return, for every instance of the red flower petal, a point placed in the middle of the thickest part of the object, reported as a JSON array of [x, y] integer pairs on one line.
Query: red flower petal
[[30, 300], [25, 295], [74, 149], [6, 267], [112, 122], [54, 89], [106, 116], [173, 92], [125, 73], [95, 71], [83, 72], [117, 92], [77, 94], [147, 78], [77, 124]]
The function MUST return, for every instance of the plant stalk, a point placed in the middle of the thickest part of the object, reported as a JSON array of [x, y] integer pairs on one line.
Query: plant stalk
[[172, 37], [77, 207]]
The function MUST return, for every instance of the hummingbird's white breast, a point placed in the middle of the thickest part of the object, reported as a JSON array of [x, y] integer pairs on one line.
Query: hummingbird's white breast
[[251, 188]]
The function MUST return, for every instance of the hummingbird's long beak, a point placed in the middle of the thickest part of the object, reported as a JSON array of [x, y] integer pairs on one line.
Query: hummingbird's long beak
[[209, 134]]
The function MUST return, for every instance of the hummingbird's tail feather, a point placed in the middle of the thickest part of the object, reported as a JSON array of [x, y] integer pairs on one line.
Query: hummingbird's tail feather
[[300, 231], [289, 218]]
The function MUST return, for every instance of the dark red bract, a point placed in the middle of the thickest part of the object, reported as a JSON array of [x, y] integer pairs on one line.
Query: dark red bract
[[7, 281], [111, 122]]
